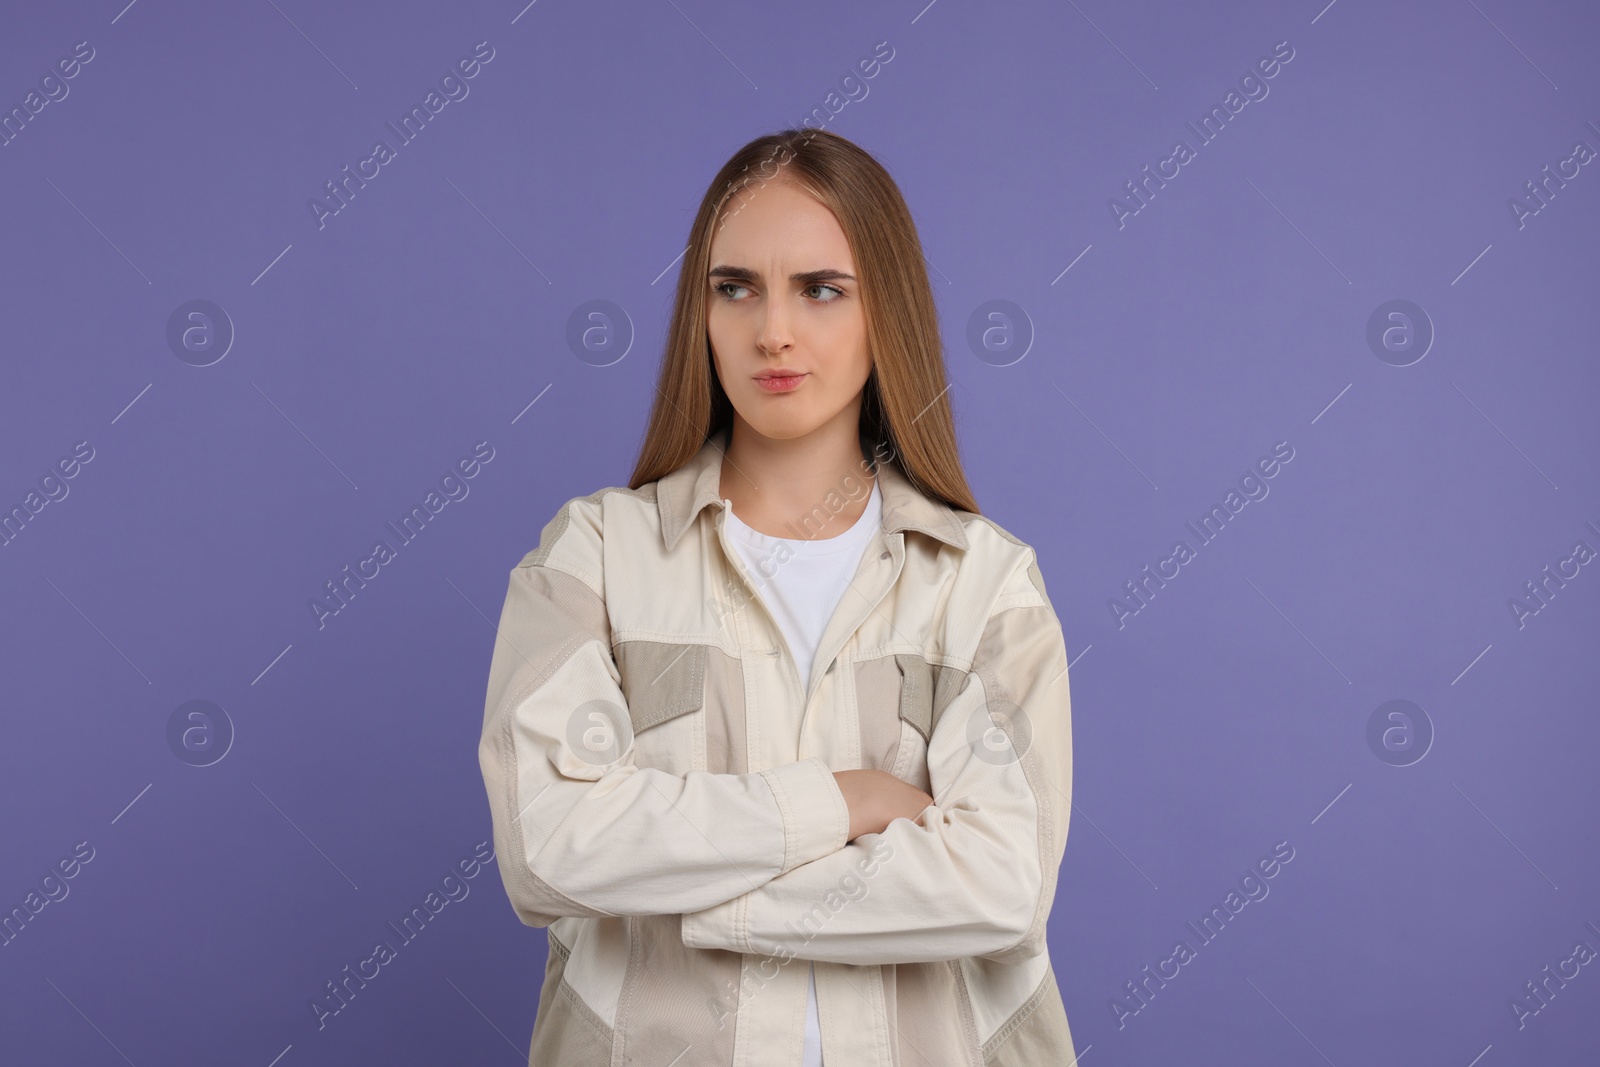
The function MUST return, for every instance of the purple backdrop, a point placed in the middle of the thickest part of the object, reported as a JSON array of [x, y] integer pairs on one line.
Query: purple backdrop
[[1371, 272]]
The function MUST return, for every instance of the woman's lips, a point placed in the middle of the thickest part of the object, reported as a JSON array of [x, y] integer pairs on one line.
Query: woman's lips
[[781, 384]]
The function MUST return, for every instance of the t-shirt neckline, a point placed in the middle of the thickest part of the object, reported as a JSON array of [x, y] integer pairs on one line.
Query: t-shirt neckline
[[851, 538]]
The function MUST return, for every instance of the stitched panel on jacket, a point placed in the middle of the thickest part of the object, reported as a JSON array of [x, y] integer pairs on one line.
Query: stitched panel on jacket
[[661, 680], [1048, 768], [1010, 987], [577, 627], [947, 685], [566, 1031], [725, 732], [1037, 1033], [916, 692], [878, 712], [677, 998], [926, 689]]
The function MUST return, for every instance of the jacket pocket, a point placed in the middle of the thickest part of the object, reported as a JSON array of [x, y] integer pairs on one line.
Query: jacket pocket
[[661, 680], [565, 1029], [916, 692]]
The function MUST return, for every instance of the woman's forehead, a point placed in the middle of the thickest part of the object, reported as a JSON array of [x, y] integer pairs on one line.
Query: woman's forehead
[[785, 226]]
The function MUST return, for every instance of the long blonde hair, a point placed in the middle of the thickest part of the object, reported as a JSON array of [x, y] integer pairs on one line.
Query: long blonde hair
[[904, 402]]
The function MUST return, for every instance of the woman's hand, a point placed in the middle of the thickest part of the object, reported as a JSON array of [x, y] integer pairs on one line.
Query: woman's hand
[[877, 798]]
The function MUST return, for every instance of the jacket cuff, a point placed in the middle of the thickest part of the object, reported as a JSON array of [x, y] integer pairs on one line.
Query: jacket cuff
[[816, 820], [715, 927]]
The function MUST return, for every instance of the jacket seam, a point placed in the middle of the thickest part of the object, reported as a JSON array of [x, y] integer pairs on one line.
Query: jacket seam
[[562, 520], [791, 835], [593, 581], [676, 637], [1022, 599], [889, 651], [741, 924], [630, 986], [510, 763], [969, 1022], [1045, 834], [1042, 814], [1018, 1017], [570, 995], [530, 879], [508, 760], [580, 1008]]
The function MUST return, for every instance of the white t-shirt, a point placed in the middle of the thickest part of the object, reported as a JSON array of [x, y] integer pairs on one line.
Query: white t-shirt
[[801, 582]]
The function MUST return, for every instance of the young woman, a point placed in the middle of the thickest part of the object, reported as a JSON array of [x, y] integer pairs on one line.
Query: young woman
[[777, 739]]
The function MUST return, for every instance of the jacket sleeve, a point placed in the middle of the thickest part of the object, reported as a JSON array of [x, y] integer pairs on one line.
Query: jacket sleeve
[[580, 828], [975, 873]]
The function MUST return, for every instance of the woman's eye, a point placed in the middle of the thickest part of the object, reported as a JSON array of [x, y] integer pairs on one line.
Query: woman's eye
[[726, 290]]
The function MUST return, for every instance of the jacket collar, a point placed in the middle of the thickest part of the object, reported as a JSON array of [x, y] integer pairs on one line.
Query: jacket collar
[[681, 494]]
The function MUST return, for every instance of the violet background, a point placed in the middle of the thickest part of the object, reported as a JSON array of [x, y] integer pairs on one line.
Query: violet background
[[370, 355]]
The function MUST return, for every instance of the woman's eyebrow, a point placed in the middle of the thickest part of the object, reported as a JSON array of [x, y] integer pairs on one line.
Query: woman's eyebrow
[[808, 277]]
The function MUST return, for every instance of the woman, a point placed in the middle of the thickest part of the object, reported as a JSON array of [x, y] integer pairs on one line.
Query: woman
[[777, 739]]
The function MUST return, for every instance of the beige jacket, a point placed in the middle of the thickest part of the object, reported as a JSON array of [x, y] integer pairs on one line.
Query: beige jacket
[[663, 801]]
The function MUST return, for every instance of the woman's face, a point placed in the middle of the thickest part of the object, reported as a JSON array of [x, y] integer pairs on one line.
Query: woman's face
[[783, 296]]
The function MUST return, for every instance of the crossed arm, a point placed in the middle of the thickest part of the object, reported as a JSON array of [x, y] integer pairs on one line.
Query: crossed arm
[[974, 874], [776, 857]]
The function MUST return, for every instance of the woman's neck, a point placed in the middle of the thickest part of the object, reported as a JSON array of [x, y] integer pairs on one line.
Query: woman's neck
[[803, 488]]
